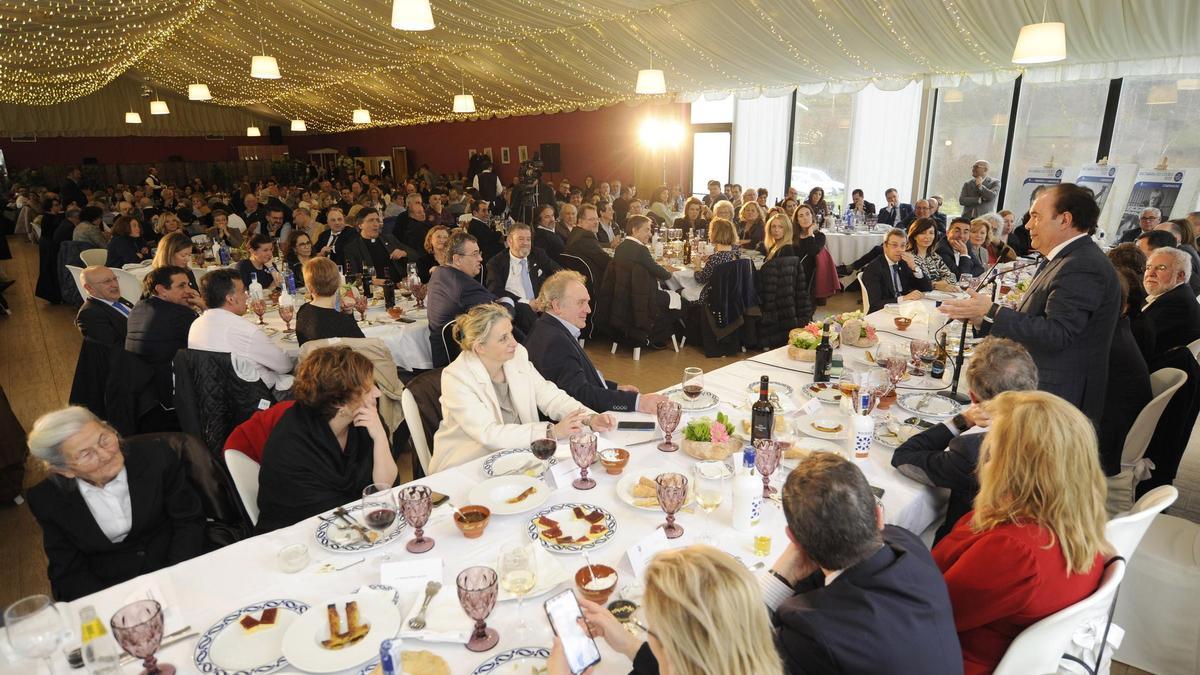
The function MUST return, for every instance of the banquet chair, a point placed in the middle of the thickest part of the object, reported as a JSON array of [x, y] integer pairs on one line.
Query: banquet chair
[[131, 287], [425, 390], [1194, 348], [75, 272], [199, 273], [862, 288], [94, 257], [1125, 532], [1134, 465], [577, 264], [448, 342], [412, 415], [1041, 647], [244, 472]]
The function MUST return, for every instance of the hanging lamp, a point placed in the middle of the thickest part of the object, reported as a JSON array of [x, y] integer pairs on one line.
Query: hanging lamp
[[1044, 42], [412, 15]]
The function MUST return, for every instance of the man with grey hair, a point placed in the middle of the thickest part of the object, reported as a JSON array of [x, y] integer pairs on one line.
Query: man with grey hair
[[1147, 221], [104, 316], [1171, 310], [978, 195], [112, 508], [947, 454], [1177, 228]]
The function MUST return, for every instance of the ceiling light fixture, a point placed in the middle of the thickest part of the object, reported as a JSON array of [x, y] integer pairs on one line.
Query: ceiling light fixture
[[264, 67], [132, 118], [253, 131], [464, 103], [1043, 42], [298, 125], [360, 116], [651, 81], [199, 92], [159, 107], [412, 15]]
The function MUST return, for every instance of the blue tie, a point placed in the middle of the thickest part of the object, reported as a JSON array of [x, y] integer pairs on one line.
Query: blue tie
[[896, 280], [529, 295], [120, 307]]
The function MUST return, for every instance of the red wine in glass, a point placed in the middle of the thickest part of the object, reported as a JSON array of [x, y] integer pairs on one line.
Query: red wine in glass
[[380, 519], [693, 391], [543, 449]]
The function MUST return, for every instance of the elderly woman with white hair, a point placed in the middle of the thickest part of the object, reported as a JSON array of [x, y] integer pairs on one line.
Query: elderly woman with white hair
[[112, 508]]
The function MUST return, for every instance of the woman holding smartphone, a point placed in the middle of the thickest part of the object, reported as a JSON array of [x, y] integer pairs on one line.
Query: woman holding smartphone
[[705, 614]]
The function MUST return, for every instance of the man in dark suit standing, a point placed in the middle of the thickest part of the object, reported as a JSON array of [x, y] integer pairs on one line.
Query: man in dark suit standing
[[635, 249], [895, 213], [519, 272], [846, 575], [978, 195], [956, 251], [894, 275], [490, 241], [947, 455], [583, 243], [112, 508], [1069, 313], [72, 193], [1171, 310], [104, 317], [454, 289], [554, 349]]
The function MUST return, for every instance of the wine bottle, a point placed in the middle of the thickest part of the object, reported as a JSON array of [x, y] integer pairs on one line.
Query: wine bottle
[[938, 369], [762, 413], [687, 250], [823, 363]]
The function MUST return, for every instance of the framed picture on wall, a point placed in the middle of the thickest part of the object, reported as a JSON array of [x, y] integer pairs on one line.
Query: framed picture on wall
[[488, 152], [522, 153], [504, 156], [471, 153]]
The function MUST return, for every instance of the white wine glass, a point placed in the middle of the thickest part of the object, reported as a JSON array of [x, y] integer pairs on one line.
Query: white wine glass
[[710, 481], [36, 629], [518, 576]]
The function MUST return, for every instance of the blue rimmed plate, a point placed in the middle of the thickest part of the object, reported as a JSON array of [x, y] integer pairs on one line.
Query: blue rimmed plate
[[568, 524], [348, 541], [505, 461], [519, 660], [227, 649]]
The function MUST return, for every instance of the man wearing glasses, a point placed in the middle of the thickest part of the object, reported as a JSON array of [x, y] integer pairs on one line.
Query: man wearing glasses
[[112, 509], [1150, 218], [454, 288]]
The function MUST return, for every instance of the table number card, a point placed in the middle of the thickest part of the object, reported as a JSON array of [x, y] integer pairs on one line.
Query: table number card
[[410, 575], [811, 408], [563, 473], [641, 553]]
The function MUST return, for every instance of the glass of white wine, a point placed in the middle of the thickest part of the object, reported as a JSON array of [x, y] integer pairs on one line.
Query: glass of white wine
[[518, 576], [710, 481]]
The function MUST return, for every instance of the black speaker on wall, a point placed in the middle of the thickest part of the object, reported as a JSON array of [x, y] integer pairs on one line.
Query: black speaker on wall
[[552, 157], [275, 133]]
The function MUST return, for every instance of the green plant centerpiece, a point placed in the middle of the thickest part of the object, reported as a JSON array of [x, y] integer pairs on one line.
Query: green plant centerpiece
[[706, 438]]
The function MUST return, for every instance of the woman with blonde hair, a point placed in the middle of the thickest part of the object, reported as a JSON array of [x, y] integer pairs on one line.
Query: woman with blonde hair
[[1034, 543], [493, 397], [176, 249], [985, 237], [436, 247], [753, 225], [778, 239], [705, 616]]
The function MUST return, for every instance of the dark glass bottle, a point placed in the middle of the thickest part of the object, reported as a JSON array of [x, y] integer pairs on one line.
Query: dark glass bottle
[[938, 369], [823, 364], [762, 413]]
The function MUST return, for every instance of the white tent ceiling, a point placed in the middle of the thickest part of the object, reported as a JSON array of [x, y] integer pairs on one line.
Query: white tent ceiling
[[531, 56]]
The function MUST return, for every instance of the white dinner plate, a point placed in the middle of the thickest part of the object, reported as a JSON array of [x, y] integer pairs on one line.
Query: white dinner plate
[[887, 439], [630, 479], [773, 387], [504, 461], [806, 425], [563, 514], [331, 538], [550, 573], [929, 405], [225, 648], [494, 493], [705, 401], [519, 661], [302, 642], [825, 392], [809, 446]]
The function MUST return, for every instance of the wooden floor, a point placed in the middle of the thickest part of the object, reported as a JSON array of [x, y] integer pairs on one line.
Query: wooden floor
[[39, 345]]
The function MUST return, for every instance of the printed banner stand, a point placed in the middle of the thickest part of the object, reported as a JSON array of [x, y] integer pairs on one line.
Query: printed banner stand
[[1112, 184], [1171, 191]]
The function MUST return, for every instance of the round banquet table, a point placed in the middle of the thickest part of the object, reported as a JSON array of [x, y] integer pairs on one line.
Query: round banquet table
[[846, 248], [199, 592]]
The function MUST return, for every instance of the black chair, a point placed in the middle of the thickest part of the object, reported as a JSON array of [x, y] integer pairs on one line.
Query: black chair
[[210, 398], [91, 376], [448, 341], [577, 264]]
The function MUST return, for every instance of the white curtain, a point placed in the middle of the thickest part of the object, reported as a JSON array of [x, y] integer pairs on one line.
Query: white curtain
[[760, 142], [883, 141]]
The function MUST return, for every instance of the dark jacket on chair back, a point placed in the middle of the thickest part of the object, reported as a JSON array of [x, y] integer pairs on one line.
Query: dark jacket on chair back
[[784, 305]]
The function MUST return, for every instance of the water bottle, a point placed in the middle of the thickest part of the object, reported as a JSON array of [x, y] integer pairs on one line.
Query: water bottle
[[224, 255], [289, 280], [863, 428], [100, 653], [216, 252], [747, 494]]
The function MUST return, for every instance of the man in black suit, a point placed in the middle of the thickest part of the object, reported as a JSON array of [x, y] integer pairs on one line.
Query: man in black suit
[[372, 248], [454, 289], [545, 234], [895, 213], [608, 233], [333, 241], [921, 209], [1147, 221], [71, 192], [894, 275], [947, 454], [112, 509], [1069, 313], [957, 252], [158, 326], [1176, 231], [519, 272], [554, 349], [635, 249], [490, 241], [1171, 310], [104, 316], [254, 215], [860, 204], [850, 594], [412, 225], [583, 243]]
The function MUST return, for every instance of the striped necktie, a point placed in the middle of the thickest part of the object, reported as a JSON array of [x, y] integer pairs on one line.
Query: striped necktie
[[120, 307]]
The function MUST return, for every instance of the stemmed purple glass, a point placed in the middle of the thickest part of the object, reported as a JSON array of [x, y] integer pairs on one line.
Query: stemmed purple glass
[[416, 501], [419, 292], [766, 459], [138, 628], [583, 451], [672, 490], [669, 413], [477, 589]]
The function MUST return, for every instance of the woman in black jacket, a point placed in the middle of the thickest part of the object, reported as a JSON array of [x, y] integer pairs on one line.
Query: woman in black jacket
[[126, 246]]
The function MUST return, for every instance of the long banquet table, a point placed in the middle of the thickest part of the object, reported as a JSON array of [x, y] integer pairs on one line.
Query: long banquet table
[[846, 248], [203, 590]]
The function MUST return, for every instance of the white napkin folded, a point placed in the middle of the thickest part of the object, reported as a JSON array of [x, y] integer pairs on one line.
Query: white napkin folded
[[445, 620]]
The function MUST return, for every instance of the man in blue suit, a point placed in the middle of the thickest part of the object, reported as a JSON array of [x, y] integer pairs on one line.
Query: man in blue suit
[[895, 213], [454, 289]]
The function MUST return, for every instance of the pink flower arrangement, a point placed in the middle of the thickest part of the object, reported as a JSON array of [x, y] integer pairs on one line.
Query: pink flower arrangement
[[718, 432]]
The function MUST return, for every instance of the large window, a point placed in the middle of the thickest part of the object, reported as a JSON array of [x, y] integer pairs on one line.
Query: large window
[[821, 145], [1158, 117], [1056, 122], [710, 159], [971, 123]]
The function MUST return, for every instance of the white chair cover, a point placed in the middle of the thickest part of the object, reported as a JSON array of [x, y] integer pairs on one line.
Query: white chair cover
[[131, 288], [95, 256], [1134, 465], [245, 478], [75, 272], [413, 414]]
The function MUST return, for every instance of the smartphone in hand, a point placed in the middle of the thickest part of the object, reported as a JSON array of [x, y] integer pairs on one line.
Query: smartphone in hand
[[579, 647]]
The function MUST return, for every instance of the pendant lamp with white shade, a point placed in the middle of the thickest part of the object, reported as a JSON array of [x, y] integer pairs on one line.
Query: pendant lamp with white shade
[[159, 107], [253, 131], [299, 125], [133, 118], [464, 103], [264, 67], [1044, 42], [412, 15], [199, 92], [651, 81], [361, 116]]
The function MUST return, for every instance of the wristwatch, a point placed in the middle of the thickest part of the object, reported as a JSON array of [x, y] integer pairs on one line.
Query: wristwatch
[[783, 581], [991, 313], [960, 422], [550, 431]]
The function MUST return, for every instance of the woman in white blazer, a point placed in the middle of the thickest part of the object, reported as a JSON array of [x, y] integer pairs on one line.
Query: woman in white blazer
[[492, 395]]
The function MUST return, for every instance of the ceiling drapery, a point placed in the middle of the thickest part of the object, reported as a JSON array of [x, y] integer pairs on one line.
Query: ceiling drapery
[[540, 56]]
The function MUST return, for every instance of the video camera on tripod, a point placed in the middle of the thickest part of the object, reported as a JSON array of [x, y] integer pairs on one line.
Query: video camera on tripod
[[530, 171]]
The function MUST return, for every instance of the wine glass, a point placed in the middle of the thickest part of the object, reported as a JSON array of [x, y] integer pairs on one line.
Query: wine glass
[[138, 628], [693, 383], [767, 454], [518, 575], [669, 413], [35, 628], [895, 361], [917, 348], [360, 306], [709, 478], [544, 449], [286, 312], [259, 307], [417, 501], [419, 291], [672, 490], [477, 594], [964, 281], [583, 451], [379, 509]]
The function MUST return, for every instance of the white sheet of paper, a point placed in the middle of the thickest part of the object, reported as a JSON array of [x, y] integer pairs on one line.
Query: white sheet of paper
[[640, 554], [563, 473], [410, 575], [811, 408]]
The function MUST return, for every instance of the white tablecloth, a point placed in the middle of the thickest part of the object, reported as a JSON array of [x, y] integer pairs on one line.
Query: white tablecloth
[[846, 248], [408, 342], [206, 588]]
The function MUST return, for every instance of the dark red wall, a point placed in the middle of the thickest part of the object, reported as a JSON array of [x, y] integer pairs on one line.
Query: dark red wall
[[119, 150]]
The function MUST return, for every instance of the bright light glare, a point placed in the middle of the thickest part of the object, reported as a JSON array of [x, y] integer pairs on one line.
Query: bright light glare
[[660, 134]]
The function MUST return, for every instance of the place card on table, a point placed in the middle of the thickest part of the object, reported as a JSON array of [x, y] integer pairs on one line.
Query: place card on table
[[410, 575], [563, 473], [811, 408], [641, 553]]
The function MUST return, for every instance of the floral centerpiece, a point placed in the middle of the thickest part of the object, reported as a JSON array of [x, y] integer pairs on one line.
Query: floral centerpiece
[[706, 438], [802, 342], [856, 332]]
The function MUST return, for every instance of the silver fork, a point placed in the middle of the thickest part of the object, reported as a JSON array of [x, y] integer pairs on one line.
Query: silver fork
[[418, 621]]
